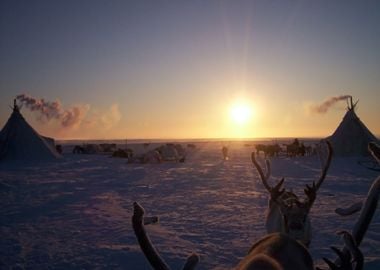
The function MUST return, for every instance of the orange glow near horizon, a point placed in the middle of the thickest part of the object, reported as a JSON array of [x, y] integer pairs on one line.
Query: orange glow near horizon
[[241, 117]]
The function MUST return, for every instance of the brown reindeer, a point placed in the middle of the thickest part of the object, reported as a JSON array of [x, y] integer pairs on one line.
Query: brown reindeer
[[274, 251], [287, 213]]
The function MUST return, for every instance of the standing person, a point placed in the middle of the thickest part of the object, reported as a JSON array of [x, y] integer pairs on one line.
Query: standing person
[[225, 152]]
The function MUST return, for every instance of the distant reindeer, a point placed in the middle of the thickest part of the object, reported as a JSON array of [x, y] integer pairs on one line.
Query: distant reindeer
[[268, 150], [272, 150], [308, 150], [287, 213], [260, 148]]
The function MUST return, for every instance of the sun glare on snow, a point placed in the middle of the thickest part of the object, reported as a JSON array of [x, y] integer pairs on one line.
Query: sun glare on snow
[[241, 113]]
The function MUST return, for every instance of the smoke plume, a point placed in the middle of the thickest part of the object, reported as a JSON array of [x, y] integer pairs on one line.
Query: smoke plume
[[326, 105], [49, 110]]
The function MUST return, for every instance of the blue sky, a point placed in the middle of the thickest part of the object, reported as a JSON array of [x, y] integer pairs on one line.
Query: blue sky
[[172, 69]]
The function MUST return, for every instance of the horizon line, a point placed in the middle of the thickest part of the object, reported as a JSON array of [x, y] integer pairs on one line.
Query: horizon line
[[196, 139]]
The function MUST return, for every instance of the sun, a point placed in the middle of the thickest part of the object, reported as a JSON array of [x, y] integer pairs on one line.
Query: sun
[[241, 113]]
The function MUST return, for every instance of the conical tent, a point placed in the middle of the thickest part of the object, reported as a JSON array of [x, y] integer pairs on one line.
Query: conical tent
[[351, 138], [19, 141]]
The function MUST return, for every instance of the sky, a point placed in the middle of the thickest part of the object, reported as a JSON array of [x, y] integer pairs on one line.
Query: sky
[[178, 69]]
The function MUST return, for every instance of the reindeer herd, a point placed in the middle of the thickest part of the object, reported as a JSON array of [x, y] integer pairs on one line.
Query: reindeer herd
[[288, 227], [296, 148]]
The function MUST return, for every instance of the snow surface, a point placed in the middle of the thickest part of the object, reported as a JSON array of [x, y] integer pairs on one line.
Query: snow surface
[[75, 213]]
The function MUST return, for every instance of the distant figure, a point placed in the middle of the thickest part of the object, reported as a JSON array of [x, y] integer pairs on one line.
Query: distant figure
[[296, 142], [78, 149], [292, 150], [225, 152], [302, 150], [58, 147]]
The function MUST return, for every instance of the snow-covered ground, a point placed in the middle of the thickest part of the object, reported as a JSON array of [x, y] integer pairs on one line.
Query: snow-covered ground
[[76, 213]]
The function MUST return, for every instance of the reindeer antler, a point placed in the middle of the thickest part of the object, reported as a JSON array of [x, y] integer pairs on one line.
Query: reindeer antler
[[275, 191], [146, 245], [326, 165], [154, 258], [365, 218], [264, 178], [367, 212], [353, 259], [311, 191]]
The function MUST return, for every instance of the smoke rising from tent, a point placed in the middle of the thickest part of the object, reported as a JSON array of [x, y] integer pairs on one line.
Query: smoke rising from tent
[[327, 104], [49, 110]]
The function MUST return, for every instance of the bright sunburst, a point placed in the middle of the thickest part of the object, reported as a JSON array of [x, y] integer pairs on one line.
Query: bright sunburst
[[241, 113]]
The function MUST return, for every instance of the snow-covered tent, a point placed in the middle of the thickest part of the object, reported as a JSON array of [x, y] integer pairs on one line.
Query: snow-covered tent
[[351, 138], [19, 141], [168, 152]]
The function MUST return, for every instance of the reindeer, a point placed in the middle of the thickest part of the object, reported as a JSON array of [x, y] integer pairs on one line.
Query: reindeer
[[260, 147], [276, 251], [308, 150], [270, 150], [286, 213]]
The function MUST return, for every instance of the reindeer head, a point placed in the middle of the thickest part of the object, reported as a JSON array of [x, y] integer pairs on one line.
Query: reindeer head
[[294, 215], [294, 212]]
